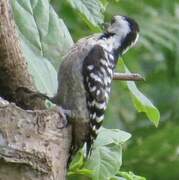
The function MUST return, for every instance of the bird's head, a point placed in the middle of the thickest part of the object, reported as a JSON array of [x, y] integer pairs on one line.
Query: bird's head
[[126, 31]]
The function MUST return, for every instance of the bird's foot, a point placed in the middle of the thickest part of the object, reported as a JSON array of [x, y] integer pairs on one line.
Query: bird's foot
[[64, 114]]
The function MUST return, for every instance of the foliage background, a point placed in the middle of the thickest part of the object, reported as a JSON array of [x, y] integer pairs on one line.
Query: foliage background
[[151, 152]]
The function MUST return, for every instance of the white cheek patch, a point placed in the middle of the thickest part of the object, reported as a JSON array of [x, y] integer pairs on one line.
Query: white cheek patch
[[124, 28]]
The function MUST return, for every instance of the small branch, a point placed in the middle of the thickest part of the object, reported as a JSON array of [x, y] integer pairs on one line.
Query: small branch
[[127, 77]]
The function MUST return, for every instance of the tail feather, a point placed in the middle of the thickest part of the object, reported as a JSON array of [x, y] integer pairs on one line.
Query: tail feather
[[89, 145]]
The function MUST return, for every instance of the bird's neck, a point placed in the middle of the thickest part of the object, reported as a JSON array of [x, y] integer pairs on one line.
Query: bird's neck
[[111, 46]]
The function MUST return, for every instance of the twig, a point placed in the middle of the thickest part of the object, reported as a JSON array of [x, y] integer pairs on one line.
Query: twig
[[127, 77]]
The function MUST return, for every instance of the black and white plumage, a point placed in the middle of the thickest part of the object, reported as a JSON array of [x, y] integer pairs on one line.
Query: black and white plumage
[[85, 77], [99, 65]]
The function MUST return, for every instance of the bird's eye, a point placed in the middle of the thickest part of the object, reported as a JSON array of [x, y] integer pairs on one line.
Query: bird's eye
[[113, 20]]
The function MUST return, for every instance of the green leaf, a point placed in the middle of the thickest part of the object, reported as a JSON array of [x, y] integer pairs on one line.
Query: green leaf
[[76, 166], [130, 176], [77, 161], [90, 11], [44, 38], [141, 102], [43, 73], [105, 161], [109, 136], [106, 157], [42, 29]]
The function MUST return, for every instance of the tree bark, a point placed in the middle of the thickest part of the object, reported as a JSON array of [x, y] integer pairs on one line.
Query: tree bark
[[13, 66], [32, 146]]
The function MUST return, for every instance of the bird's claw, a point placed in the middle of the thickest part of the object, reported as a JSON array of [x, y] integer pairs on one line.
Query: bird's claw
[[64, 114]]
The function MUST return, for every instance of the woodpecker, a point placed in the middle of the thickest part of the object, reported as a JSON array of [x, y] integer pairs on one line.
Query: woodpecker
[[85, 77]]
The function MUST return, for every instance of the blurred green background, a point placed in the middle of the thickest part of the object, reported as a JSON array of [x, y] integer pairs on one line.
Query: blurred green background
[[152, 152]]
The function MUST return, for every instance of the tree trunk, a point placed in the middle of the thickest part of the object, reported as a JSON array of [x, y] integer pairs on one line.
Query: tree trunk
[[32, 146]]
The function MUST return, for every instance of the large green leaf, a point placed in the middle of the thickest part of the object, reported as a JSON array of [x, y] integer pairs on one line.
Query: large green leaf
[[44, 38], [43, 73], [105, 161], [141, 102], [42, 28], [109, 136], [90, 11], [106, 157]]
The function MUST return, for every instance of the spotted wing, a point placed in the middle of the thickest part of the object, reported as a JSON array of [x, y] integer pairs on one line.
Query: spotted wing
[[97, 73]]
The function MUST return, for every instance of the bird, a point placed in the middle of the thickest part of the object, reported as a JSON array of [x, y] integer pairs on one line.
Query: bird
[[85, 77]]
